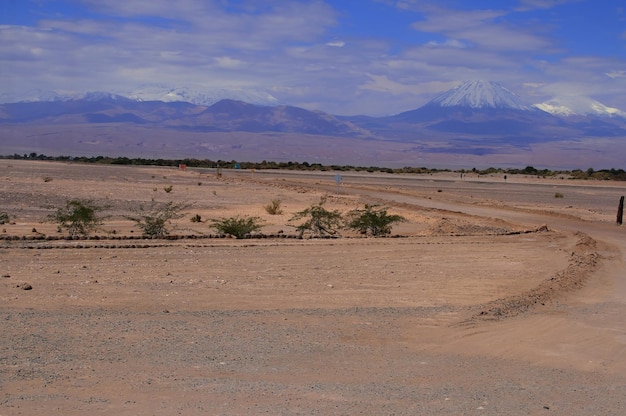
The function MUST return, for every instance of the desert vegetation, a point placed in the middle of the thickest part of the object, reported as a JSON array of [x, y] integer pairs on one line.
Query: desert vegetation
[[78, 217], [611, 174], [274, 207], [155, 220], [239, 226], [318, 220], [372, 220], [81, 217]]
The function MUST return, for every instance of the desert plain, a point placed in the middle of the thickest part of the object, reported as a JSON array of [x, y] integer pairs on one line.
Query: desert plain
[[497, 296]]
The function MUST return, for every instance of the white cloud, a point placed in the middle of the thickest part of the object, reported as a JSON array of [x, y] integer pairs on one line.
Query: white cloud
[[527, 5], [298, 51], [154, 8], [336, 43], [482, 29], [382, 83], [452, 43], [228, 62], [170, 55], [442, 20], [616, 74]]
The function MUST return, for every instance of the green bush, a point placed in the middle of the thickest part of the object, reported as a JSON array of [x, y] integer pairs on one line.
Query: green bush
[[373, 220], [155, 221], [238, 227], [4, 218], [77, 216], [318, 220]]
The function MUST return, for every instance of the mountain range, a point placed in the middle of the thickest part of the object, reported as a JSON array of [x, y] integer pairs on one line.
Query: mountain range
[[474, 120], [150, 92]]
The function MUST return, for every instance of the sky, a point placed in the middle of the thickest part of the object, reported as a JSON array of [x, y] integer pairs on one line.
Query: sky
[[346, 57]]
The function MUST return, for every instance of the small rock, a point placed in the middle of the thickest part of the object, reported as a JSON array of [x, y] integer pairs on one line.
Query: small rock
[[6, 275], [25, 286]]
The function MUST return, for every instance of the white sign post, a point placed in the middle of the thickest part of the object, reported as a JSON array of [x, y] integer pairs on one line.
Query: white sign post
[[338, 180]]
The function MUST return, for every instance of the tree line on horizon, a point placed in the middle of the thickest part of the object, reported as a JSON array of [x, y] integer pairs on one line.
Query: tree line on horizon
[[590, 173]]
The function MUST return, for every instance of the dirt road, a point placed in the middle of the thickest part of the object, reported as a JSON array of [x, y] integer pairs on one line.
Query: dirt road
[[399, 326]]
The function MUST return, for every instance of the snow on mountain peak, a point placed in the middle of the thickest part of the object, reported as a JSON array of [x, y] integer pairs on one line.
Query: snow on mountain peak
[[30, 96], [577, 105], [202, 96], [480, 94], [198, 96]]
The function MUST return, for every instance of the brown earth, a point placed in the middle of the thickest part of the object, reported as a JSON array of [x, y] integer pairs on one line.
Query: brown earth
[[496, 297]]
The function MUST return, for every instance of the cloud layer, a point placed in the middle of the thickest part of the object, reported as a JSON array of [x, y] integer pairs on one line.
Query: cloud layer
[[371, 57]]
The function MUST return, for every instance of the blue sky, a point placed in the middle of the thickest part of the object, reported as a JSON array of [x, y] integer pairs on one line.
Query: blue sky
[[371, 57]]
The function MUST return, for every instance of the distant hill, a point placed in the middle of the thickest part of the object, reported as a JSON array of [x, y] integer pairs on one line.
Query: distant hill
[[474, 120], [225, 115]]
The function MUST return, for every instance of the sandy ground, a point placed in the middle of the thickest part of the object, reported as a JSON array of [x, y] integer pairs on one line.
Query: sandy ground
[[495, 298]]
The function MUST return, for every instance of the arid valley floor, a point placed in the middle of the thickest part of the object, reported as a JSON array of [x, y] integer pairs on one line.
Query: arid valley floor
[[496, 297]]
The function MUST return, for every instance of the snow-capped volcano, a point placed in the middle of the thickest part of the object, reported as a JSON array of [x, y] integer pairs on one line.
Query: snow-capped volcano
[[476, 106], [578, 105], [480, 94]]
